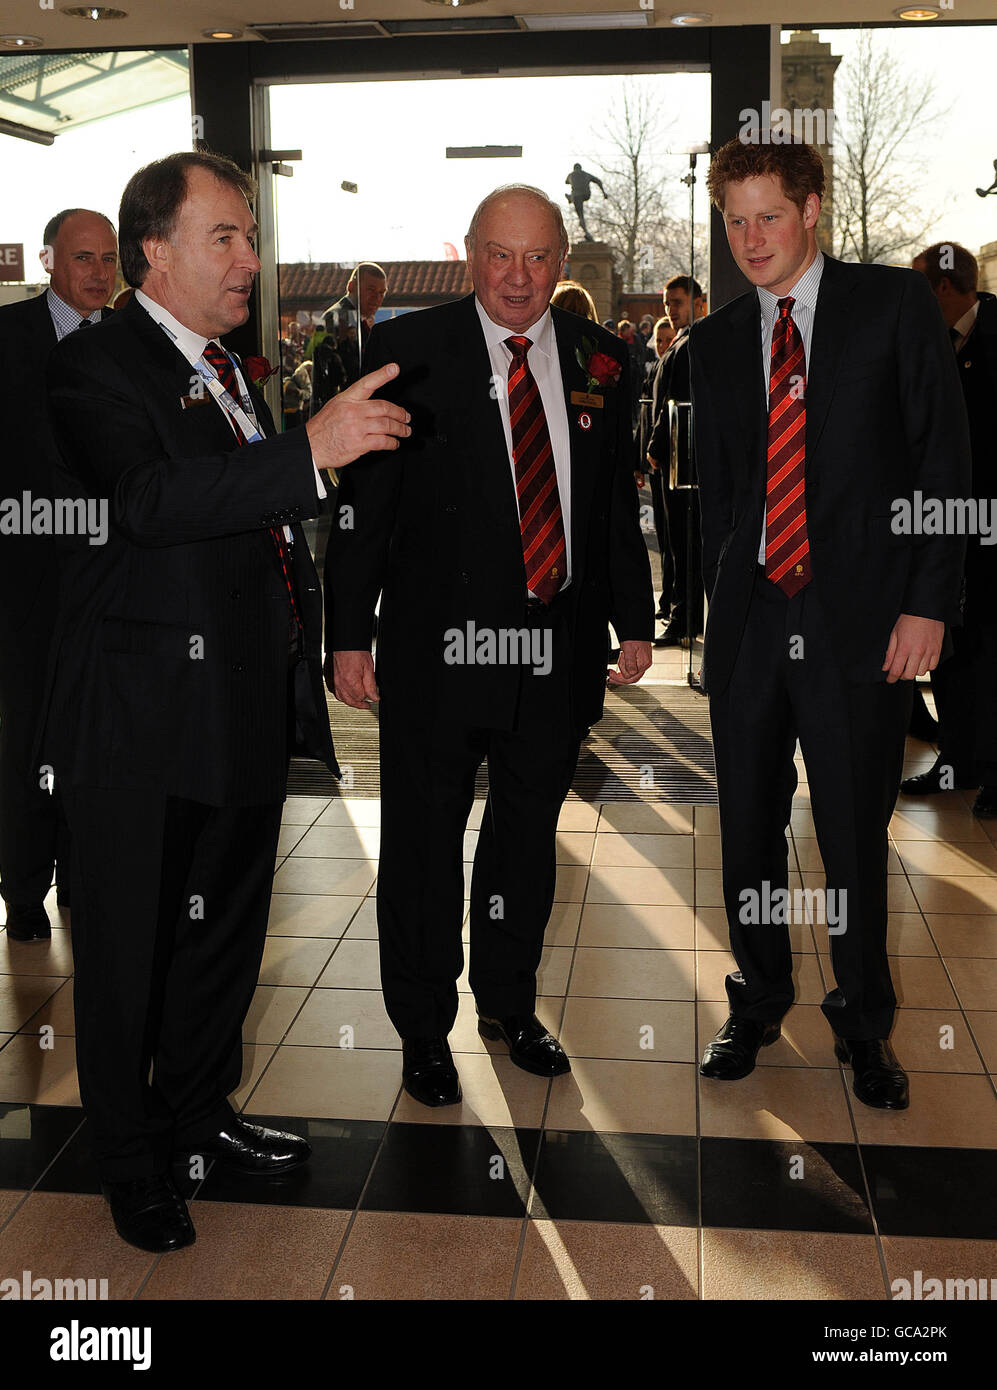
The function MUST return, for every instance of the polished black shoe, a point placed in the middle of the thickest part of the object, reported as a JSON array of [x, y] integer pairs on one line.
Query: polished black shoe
[[28, 924], [671, 637], [530, 1045], [428, 1071], [732, 1052], [930, 782], [255, 1149], [985, 805], [879, 1080], [149, 1213]]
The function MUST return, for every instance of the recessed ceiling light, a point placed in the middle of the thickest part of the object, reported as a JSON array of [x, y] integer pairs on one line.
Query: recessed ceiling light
[[691, 17], [453, 4], [20, 41], [622, 19], [915, 12], [95, 12], [222, 33]]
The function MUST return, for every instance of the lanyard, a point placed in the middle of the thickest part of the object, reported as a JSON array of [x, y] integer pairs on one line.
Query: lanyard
[[239, 412]]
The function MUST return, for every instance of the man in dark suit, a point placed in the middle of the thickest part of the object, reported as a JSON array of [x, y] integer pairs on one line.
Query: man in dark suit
[[965, 685], [502, 540], [188, 668], [823, 400], [684, 303], [348, 324], [81, 256]]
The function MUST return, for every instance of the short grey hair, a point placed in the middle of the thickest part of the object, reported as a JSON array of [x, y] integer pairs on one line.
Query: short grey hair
[[523, 190]]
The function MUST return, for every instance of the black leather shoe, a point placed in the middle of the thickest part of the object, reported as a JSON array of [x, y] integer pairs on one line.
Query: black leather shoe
[[879, 1079], [428, 1071], [28, 924], [985, 805], [530, 1045], [255, 1149], [732, 1052], [930, 782], [149, 1213], [671, 637]]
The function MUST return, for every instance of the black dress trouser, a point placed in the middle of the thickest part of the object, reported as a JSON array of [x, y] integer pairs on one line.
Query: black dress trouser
[[428, 770], [787, 685]]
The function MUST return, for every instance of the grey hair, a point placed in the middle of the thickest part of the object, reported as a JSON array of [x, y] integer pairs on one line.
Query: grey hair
[[528, 190]]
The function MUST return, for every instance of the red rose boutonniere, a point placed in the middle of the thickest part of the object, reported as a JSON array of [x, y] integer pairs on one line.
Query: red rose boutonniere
[[601, 368], [258, 370]]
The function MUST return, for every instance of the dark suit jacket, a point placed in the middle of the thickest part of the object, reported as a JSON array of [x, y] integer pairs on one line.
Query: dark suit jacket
[[977, 361], [434, 526], [170, 657], [671, 383], [885, 418]]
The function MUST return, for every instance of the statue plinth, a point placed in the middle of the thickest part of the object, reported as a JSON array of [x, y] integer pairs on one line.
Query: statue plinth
[[591, 264]]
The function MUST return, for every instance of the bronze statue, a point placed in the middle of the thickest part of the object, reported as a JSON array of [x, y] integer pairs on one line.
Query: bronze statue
[[581, 190]]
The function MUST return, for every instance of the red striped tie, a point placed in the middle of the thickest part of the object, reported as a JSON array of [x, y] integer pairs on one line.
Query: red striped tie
[[218, 358], [540, 520], [787, 546]]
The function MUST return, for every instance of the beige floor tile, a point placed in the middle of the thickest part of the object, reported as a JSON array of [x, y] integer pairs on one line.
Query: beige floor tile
[[345, 877], [552, 977], [708, 855], [625, 1097], [51, 957], [707, 820], [57, 1013], [577, 816], [938, 1258], [945, 1109], [428, 1257], [294, 960], [712, 967], [647, 885], [638, 851], [340, 842], [920, 982], [272, 1012], [646, 925], [964, 934], [289, 836], [43, 1075], [10, 1200], [975, 982], [961, 895], [934, 1040], [255, 1061], [984, 1027], [709, 886], [806, 1039], [655, 818], [789, 1265], [303, 810], [603, 1260], [312, 914], [355, 965], [777, 1103], [364, 922], [907, 935], [344, 1018], [70, 1235], [329, 1083], [713, 933], [801, 821], [957, 823], [562, 926], [970, 858], [356, 811], [574, 846], [495, 1093], [253, 1252], [809, 857], [5, 1039], [622, 973], [634, 1029]]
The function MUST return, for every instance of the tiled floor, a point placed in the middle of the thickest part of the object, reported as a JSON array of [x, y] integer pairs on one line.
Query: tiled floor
[[630, 1178]]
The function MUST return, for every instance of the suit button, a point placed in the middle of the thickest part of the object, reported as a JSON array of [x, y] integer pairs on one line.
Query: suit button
[[441, 439], [238, 667], [465, 578], [236, 593], [450, 507]]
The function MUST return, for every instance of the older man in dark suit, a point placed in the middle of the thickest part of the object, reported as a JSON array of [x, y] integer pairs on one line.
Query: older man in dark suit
[[188, 669], [503, 539], [824, 399], [81, 256]]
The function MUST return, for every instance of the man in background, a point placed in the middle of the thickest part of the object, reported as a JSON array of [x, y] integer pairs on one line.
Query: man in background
[[81, 256], [348, 322]]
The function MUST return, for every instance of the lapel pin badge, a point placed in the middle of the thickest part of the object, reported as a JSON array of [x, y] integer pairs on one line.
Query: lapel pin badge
[[585, 420]]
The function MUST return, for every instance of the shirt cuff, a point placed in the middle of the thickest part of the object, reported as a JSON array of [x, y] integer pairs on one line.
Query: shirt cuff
[[319, 485]]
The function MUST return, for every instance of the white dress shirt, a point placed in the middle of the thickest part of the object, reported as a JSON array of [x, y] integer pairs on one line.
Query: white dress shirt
[[965, 326], [545, 365], [192, 346], [804, 294], [66, 319]]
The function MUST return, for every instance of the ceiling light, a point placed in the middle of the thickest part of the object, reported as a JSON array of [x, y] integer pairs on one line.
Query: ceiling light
[[916, 12], [222, 33], [624, 19], [690, 18], [453, 4], [95, 12], [20, 41]]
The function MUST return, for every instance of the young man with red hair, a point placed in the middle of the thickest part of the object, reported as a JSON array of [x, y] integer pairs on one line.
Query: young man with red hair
[[822, 399]]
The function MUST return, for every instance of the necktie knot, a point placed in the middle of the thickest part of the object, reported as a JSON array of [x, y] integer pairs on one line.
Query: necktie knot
[[519, 347], [85, 323], [785, 306]]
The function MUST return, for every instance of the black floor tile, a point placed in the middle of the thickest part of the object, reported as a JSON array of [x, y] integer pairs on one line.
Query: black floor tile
[[30, 1138], [465, 1170], [783, 1186], [583, 1176], [342, 1154], [932, 1191]]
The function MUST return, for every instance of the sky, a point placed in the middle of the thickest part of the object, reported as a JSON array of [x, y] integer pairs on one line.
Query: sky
[[411, 200]]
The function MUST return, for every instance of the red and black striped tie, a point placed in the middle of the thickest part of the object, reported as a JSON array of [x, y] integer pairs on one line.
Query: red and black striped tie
[[787, 546], [540, 520], [219, 359]]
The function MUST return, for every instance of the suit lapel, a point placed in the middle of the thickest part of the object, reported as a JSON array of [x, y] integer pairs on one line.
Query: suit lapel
[[474, 398], [833, 323], [744, 346], [585, 444]]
